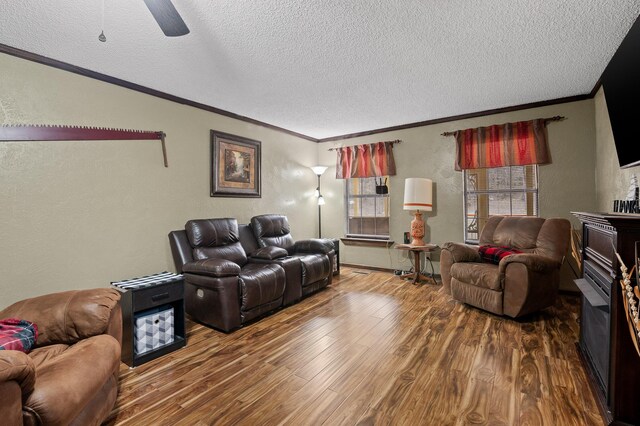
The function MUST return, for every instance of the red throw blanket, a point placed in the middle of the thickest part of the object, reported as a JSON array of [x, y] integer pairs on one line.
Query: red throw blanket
[[494, 254], [17, 335]]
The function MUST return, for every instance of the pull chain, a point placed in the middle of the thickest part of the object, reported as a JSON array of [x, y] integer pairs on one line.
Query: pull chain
[[102, 37]]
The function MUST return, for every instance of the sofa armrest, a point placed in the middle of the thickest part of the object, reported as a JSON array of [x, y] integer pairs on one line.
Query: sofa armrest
[[212, 268], [18, 367], [530, 283], [462, 252], [69, 316], [533, 262], [180, 248], [269, 253], [73, 380], [315, 245]]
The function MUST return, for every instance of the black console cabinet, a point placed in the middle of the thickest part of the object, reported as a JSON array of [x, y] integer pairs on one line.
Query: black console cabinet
[[136, 301], [605, 344]]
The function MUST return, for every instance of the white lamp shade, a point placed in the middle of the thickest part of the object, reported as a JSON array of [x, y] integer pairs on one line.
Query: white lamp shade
[[418, 194], [319, 170], [321, 200]]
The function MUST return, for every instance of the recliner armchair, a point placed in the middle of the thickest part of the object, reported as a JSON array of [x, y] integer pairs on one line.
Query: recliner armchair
[[222, 288], [291, 265], [71, 375], [315, 255], [521, 283]]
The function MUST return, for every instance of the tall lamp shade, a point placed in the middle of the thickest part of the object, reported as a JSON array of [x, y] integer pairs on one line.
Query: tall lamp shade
[[418, 196], [319, 170]]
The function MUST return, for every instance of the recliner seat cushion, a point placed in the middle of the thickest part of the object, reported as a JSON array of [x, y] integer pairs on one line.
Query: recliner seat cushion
[[315, 267], [260, 284], [484, 275]]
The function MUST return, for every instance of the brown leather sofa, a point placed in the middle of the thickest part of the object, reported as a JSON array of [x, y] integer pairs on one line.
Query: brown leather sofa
[[230, 280], [521, 283], [71, 375]]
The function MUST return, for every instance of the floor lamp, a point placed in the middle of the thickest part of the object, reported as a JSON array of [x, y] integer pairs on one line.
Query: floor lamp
[[319, 170]]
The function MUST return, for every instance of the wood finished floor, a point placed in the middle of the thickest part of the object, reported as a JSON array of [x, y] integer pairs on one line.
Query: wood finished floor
[[370, 349]]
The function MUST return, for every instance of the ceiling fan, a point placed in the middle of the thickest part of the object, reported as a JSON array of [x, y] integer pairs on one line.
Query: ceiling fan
[[167, 17]]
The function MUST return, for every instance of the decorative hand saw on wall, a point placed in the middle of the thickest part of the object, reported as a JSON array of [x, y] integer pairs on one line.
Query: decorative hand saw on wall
[[77, 133]]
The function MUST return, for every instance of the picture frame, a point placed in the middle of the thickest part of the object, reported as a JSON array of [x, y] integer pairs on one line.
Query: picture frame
[[235, 166]]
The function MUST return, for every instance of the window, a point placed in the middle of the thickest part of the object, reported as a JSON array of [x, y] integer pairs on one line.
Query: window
[[510, 191], [367, 212]]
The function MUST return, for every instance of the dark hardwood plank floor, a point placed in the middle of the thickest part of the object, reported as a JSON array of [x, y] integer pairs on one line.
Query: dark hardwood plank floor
[[370, 349]]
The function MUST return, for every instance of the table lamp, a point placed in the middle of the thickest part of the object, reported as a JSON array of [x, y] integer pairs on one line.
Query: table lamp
[[418, 197]]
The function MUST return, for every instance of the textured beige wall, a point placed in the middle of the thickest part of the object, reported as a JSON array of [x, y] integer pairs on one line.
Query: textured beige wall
[[565, 185], [612, 182], [82, 214]]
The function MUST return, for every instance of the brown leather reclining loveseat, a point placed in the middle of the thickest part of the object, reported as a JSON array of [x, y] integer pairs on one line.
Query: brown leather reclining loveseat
[[71, 375], [231, 278]]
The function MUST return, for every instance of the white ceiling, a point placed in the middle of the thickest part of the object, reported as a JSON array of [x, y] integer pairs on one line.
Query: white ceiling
[[324, 68]]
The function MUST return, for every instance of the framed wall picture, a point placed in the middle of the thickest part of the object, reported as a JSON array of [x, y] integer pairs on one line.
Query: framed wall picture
[[235, 166]]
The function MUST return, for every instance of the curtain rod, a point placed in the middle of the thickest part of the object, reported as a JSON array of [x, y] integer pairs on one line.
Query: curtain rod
[[546, 120], [391, 142]]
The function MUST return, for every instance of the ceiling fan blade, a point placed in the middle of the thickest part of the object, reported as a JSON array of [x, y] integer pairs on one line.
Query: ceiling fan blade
[[167, 17]]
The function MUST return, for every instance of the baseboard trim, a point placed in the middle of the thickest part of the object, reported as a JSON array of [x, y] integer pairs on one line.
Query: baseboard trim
[[376, 268], [372, 268]]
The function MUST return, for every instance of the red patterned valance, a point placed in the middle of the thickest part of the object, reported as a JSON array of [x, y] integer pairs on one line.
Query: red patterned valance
[[366, 160], [510, 144]]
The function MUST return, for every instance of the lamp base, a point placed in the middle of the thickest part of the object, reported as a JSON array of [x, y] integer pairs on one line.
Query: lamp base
[[417, 230]]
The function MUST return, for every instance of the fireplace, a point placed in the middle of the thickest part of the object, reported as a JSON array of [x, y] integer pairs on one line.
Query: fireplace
[[605, 343]]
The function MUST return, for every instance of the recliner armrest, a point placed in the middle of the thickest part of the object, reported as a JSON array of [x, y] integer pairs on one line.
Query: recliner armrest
[[180, 248], [77, 375], [212, 268], [315, 245], [18, 366], [534, 262], [269, 253], [462, 252]]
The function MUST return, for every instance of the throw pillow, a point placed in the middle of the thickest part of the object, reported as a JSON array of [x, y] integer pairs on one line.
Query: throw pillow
[[17, 335], [494, 254]]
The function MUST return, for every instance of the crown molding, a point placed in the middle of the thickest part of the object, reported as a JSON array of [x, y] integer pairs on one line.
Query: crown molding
[[460, 117], [34, 57], [23, 54]]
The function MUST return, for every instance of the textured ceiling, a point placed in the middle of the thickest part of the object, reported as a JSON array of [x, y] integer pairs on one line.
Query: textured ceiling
[[326, 68]]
